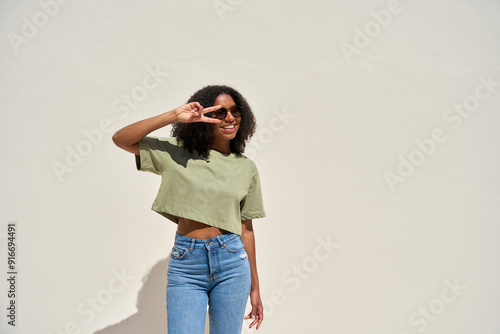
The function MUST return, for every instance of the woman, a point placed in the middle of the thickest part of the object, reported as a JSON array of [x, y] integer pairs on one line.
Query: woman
[[212, 191]]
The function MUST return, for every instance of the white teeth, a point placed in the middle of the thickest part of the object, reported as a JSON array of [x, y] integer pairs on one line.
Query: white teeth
[[228, 127]]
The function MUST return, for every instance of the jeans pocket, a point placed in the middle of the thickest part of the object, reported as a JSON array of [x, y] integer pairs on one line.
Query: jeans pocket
[[235, 245], [178, 253]]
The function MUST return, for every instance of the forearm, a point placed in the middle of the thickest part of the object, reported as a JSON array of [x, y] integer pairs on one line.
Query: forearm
[[248, 239], [134, 132]]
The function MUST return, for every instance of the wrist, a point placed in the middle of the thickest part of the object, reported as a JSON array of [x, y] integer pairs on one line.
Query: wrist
[[171, 117], [255, 288]]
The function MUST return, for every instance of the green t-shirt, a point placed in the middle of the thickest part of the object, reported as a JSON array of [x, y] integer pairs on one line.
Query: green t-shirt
[[220, 191]]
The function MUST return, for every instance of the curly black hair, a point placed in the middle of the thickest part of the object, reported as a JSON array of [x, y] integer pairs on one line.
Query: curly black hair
[[198, 135]]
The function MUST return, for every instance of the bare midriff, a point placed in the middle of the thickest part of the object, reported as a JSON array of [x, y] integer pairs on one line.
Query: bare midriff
[[195, 229]]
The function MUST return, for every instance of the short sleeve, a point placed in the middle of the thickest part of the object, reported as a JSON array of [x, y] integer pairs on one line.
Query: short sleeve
[[252, 205], [153, 155]]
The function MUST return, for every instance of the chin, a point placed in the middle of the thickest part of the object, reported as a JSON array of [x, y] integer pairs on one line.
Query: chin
[[228, 135]]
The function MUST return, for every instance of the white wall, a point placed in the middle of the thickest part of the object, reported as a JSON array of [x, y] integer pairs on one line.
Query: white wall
[[342, 90]]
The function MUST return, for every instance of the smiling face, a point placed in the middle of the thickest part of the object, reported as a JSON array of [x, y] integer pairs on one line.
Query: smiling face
[[228, 127]]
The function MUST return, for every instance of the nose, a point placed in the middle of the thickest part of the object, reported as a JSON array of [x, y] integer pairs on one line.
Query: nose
[[229, 117]]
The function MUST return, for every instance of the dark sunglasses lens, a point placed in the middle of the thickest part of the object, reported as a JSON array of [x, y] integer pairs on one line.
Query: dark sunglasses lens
[[235, 111], [221, 113], [216, 114]]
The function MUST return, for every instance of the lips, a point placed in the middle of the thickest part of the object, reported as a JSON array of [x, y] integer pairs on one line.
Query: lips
[[229, 128]]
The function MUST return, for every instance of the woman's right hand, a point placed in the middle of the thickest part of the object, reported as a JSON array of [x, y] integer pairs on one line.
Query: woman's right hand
[[194, 112]]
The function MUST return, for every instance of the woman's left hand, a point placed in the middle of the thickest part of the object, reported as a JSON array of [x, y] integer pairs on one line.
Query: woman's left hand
[[257, 313]]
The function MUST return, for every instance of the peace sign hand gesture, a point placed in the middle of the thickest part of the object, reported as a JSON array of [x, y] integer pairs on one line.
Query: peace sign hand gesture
[[194, 112]]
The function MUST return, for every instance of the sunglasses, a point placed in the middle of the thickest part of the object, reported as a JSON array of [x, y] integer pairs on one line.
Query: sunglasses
[[222, 112]]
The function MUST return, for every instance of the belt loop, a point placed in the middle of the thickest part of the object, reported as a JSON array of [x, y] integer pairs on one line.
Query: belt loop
[[191, 247], [221, 242]]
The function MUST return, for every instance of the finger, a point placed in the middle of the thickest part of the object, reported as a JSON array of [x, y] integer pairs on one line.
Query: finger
[[260, 316], [209, 109], [256, 319], [260, 321], [195, 108], [210, 120]]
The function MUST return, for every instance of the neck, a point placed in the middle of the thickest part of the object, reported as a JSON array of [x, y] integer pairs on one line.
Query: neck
[[221, 146]]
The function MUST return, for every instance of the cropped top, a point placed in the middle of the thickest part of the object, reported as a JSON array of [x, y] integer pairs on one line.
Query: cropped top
[[220, 191]]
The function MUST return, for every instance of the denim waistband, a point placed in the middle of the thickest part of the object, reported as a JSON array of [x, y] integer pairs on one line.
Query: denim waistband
[[193, 242]]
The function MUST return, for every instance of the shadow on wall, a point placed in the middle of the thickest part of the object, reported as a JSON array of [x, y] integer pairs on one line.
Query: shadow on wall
[[151, 316]]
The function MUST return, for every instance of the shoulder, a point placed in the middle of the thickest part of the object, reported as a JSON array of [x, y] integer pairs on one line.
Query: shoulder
[[248, 163], [170, 140], [160, 142]]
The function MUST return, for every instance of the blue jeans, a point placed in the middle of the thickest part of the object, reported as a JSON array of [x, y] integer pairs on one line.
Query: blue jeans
[[214, 271]]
